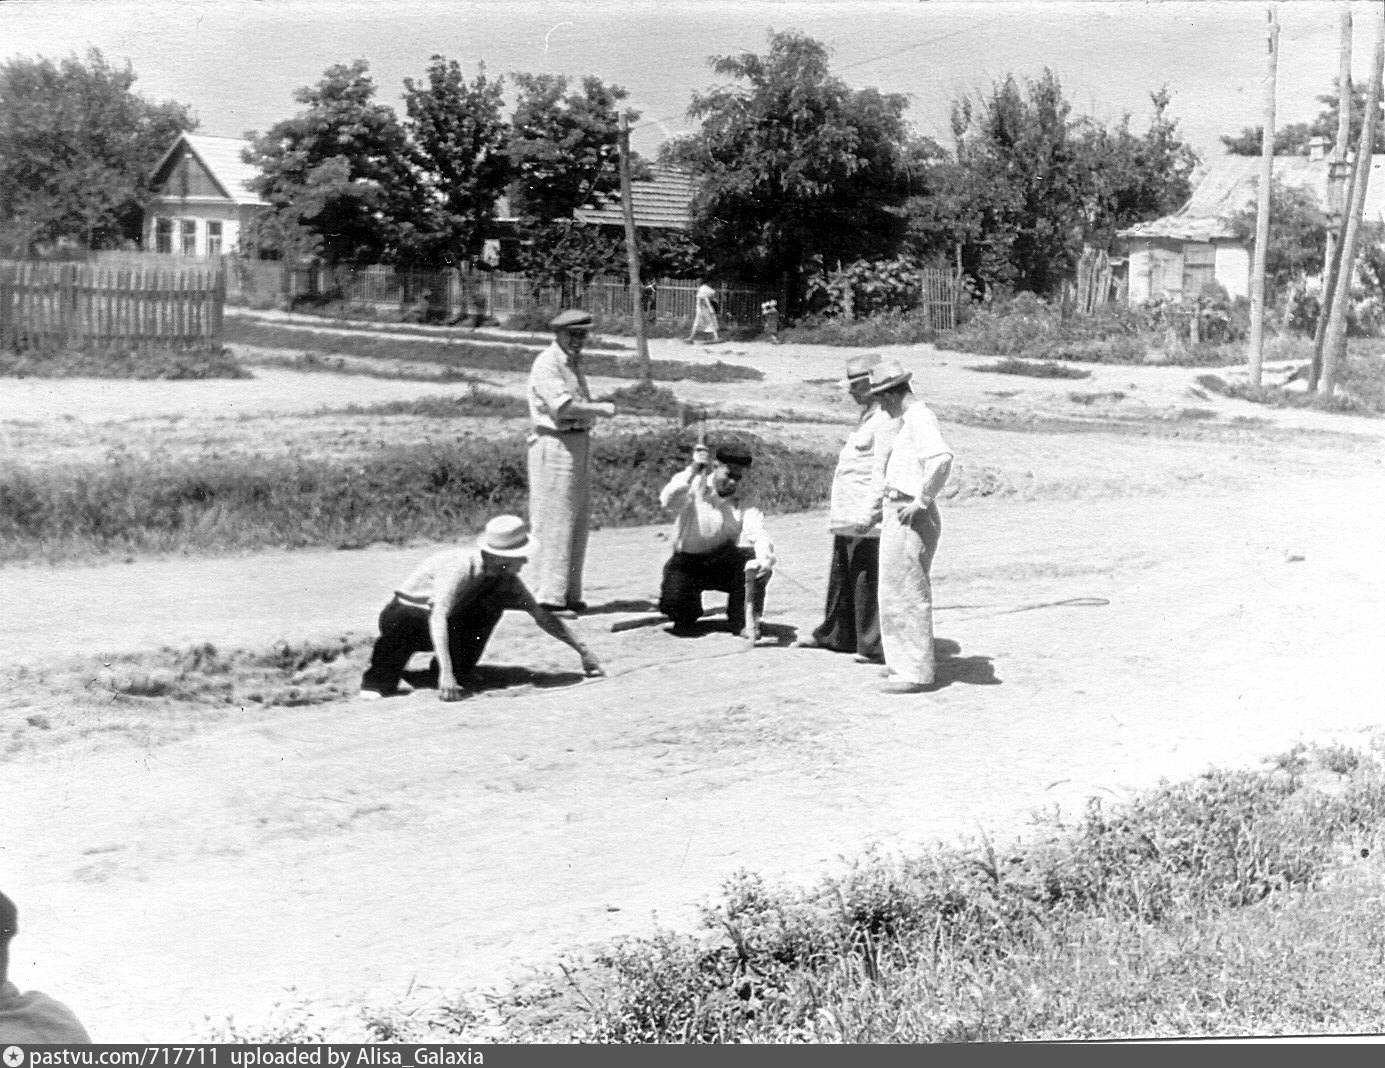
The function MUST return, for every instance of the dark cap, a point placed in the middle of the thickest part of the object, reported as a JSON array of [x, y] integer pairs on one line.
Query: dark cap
[[733, 453], [572, 319], [9, 919]]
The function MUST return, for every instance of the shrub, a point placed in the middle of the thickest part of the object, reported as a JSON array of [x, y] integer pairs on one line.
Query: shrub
[[1012, 366], [886, 328], [118, 362]]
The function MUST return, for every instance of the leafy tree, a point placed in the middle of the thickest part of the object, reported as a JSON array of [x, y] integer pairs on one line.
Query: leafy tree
[[1298, 236], [564, 146], [1292, 139], [795, 167], [77, 150], [461, 140], [343, 170]]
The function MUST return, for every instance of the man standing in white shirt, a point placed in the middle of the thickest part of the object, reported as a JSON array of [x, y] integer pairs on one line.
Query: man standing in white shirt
[[915, 471], [852, 619], [718, 536], [562, 413]]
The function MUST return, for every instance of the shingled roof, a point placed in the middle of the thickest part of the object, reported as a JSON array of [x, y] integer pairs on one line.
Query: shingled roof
[[221, 156], [661, 203], [1231, 186]]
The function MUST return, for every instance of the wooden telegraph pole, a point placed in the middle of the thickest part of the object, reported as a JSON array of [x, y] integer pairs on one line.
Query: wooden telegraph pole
[[1337, 195], [1262, 213], [632, 251], [1335, 343]]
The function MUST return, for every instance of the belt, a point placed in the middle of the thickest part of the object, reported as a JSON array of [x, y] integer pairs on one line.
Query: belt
[[554, 432]]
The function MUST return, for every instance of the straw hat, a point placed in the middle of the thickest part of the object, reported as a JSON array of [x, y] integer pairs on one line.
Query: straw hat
[[888, 374], [506, 535]]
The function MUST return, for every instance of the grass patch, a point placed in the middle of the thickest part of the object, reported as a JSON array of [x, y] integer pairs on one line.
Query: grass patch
[[473, 355], [1115, 396], [645, 398], [155, 363], [474, 402], [1048, 369], [1361, 389], [436, 491], [1224, 905]]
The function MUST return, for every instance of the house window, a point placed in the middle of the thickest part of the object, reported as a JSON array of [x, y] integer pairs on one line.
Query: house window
[[213, 239], [1199, 268], [189, 243], [163, 235]]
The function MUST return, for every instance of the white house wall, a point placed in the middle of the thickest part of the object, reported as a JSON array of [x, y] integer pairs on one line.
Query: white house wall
[[229, 215], [1138, 273], [1232, 268]]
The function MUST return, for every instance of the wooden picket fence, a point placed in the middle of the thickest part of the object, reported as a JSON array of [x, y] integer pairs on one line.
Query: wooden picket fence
[[78, 305], [1092, 289], [940, 292]]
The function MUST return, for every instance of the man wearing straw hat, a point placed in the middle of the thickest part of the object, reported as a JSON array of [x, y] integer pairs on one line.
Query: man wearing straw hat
[[852, 619], [451, 603], [562, 413], [914, 473]]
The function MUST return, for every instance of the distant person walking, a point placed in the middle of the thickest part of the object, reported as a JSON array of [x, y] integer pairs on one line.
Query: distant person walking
[[562, 413], [30, 1017], [705, 314], [915, 472], [852, 618]]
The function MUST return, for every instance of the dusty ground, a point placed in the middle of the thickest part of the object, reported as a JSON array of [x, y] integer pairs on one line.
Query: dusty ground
[[1230, 575]]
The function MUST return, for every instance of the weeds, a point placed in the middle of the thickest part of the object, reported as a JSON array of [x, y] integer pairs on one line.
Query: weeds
[[115, 362], [1012, 366], [475, 402], [1134, 922]]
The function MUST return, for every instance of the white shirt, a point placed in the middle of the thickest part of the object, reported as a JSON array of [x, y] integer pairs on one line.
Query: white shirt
[[705, 521], [912, 467], [553, 381], [856, 485]]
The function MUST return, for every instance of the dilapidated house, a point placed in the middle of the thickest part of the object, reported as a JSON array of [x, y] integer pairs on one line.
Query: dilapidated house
[[1182, 254]]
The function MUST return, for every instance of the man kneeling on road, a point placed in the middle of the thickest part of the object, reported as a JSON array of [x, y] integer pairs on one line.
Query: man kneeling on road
[[450, 605], [718, 537]]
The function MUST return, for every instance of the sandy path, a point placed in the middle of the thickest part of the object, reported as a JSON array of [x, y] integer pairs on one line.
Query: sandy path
[[358, 851]]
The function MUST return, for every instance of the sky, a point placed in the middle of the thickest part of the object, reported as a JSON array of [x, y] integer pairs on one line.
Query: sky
[[238, 62]]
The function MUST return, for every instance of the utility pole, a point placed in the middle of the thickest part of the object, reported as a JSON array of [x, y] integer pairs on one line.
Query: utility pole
[[632, 252], [1335, 343], [1337, 195], [1262, 212]]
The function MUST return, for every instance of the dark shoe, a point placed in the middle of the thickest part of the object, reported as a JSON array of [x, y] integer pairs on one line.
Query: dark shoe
[[577, 607], [902, 686], [685, 630], [862, 658]]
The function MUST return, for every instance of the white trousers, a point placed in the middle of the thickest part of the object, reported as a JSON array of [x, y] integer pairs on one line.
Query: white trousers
[[906, 594], [559, 514]]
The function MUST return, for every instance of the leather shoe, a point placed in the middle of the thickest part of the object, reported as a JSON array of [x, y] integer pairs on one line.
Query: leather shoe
[[902, 686], [861, 659], [809, 643]]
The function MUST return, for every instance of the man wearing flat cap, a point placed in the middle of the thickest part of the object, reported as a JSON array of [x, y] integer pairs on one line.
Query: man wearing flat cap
[[30, 1017], [451, 603], [852, 619], [561, 414], [913, 474], [718, 537]]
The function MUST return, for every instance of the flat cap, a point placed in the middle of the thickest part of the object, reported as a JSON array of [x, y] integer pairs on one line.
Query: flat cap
[[733, 452], [572, 319]]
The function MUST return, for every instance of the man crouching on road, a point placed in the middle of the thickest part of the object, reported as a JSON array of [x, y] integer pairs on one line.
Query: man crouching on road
[[452, 602], [717, 537]]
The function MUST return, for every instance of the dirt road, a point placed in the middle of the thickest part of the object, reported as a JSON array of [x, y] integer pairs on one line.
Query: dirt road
[[407, 849]]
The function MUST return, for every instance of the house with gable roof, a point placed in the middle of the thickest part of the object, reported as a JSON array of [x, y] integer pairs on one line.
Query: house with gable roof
[[1182, 254], [203, 200]]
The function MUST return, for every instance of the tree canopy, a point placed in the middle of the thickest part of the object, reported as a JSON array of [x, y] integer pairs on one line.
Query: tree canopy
[[1292, 139], [343, 169], [794, 165], [461, 139], [77, 150]]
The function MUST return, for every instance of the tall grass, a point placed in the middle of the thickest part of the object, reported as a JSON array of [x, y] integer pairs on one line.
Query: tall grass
[[1218, 905], [435, 491], [113, 361]]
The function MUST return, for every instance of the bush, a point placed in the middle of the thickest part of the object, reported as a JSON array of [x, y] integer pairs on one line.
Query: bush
[[868, 287], [886, 328]]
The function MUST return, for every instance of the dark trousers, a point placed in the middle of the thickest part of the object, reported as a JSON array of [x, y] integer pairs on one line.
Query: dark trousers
[[688, 575], [852, 619], [404, 631]]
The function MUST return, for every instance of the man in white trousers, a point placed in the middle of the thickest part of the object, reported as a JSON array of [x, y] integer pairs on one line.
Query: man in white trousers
[[913, 475]]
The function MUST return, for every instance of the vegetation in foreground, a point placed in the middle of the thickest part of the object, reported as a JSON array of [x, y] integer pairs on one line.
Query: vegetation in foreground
[[1360, 389], [1030, 369], [473, 355], [116, 362], [1236, 903], [433, 491]]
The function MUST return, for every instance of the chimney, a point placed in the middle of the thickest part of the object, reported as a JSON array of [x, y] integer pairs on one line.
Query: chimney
[[1317, 147]]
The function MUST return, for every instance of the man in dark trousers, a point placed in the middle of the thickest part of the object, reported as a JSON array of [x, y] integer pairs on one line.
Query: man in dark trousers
[[718, 536], [451, 603], [30, 1017]]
